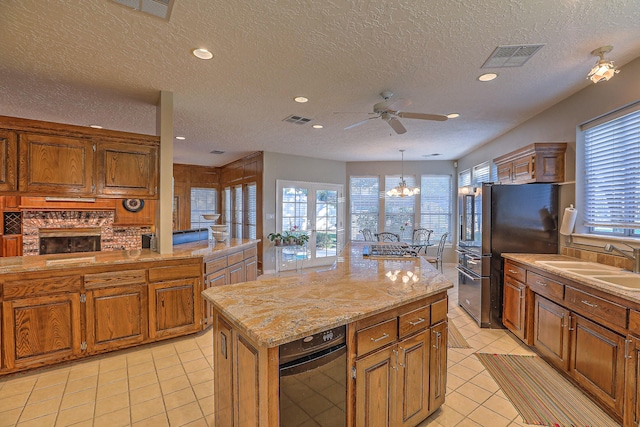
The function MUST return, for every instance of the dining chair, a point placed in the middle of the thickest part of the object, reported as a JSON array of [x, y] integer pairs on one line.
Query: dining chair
[[420, 239], [387, 236], [437, 260], [368, 235]]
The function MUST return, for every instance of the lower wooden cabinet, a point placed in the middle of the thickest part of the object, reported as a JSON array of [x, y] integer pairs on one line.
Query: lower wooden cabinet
[[172, 307], [551, 332], [438, 365], [514, 307], [41, 330], [376, 386], [632, 384], [11, 245]]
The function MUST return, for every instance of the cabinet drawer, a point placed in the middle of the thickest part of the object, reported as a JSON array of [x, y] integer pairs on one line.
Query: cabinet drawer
[[439, 311], [159, 274], [596, 306], [376, 336], [517, 272], [235, 258], [248, 253], [545, 286], [634, 322], [215, 265], [40, 287], [415, 320], [114, 278]]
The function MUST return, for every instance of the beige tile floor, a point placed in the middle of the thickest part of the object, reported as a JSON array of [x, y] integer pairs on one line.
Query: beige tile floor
[[171, 384]]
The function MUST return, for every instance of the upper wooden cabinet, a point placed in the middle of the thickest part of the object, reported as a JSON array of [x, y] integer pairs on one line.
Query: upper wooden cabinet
[[56, 165], [45, 159], [8, 161], [126, 170], [538, 162]]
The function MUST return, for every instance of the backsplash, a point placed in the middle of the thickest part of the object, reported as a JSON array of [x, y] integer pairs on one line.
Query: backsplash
[[111, 238], [602, 258]]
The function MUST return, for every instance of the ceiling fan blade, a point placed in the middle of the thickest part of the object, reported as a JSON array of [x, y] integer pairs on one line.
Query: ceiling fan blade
[[392, 105], [422, 116], [361, 122], [396, 125]]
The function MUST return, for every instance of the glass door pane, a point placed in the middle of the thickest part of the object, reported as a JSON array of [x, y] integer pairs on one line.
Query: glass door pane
[[326, 237]]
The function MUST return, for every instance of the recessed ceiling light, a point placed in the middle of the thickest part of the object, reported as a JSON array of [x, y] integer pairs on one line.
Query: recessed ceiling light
[[95, 126], [453, 115], [301, 99], [318, 126], [202, 53], [181, 138], [487, 77]]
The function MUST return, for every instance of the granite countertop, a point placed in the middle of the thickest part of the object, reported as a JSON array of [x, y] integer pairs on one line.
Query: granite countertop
[[90, 259], [532, 260], [276, 310]]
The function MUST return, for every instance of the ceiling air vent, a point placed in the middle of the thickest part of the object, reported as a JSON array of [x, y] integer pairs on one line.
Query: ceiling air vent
[[511, 56], [158, 8], [299, 120]]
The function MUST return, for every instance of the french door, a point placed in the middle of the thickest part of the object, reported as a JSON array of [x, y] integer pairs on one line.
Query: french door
[[316, 210]]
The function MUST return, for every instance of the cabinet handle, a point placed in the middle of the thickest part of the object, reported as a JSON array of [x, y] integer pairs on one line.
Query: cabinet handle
[[570, 323], [384, 336], [437, 344], [404, 352], [512, 271], [626, 349], [541, 283], [585, 302], [395, 352], [417, 322]]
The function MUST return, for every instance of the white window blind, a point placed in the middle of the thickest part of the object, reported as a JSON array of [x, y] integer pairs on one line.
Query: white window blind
[[464, 178], [435, 205], [236, 226], [364, 197], [399, 211], [481, 173], [252, 217], [203, 201], [612, 175]]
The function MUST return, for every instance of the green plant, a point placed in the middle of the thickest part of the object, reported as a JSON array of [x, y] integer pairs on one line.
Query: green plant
[[301, 239], [274, 236]]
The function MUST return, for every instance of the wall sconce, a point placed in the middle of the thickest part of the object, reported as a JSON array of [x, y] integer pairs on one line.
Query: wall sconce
[[603, 70]]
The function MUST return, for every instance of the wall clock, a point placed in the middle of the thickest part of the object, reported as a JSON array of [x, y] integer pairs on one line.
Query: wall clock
[[133, 205]]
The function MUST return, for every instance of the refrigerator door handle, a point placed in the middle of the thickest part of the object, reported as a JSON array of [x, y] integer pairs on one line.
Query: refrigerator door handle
[[464, 273]]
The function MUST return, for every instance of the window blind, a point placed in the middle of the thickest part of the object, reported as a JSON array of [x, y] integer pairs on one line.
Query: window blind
[[364, 198], [435, 204], [481, 173], [464, 178], [612, 173], [203, 201], [252, 209], [399, 211]]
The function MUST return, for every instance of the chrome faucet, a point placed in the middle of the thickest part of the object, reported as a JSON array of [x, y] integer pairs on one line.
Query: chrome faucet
[[635, 257]]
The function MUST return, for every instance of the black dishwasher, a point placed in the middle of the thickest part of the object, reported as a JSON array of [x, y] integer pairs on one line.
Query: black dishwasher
[[313, 380]]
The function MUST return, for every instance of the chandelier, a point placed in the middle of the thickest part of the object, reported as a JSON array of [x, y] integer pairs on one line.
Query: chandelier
[[402, 190], [603, 70]]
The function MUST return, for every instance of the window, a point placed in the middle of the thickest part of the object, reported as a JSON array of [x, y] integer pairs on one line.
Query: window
[[612, 174], [203, 201], [435, 205], [252, 210], [464, 178], [481, 173], [399, 211], [237, 217], [365, 204]]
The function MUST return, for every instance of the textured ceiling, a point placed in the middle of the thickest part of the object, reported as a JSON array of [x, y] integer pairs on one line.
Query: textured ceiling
[[94, 61]]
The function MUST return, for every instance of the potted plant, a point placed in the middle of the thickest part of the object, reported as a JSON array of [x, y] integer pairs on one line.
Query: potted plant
[[289, 238], [276, 238], [302, 239]]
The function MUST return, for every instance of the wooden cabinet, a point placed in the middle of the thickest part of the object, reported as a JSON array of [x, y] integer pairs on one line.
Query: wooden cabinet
[[438, 365], [116, 309], [175, 302], [126, 170], [8, 161], [56, 165], [551, 332], [515, 313], [538, 162], [632, 376], [144, 217], [11, 245], [41, 321], [376, 388]]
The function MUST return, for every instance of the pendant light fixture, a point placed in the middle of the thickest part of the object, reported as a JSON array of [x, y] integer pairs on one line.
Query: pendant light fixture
[[402, 190], [603, 70]]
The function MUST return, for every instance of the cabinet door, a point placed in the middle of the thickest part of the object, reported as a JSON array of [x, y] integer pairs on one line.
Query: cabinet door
[[632, 383], [8, 161], [504, 172], [172, 307], [55, 165], [116, 317], [438, 365], [523, 169], [514, 307], [127, 170], [12, 245], [237, 273], [413, 380], [251, 269], [375, 389], [41, 330], [223, 373], [597, 361], [551, 332], [218, 278], [145, 216]]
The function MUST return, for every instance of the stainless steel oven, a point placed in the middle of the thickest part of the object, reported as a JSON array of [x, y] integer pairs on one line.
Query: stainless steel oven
[[313, 380]]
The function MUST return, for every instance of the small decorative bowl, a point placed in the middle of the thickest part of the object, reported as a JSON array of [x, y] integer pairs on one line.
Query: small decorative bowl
[[219, 227], [211, 217], [220, 236]]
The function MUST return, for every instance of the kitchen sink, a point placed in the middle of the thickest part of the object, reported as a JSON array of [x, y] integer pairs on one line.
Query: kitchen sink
[[590, 271], [629, 281], [584, 265]]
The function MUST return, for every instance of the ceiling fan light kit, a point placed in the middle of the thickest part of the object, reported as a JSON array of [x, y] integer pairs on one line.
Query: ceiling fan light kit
[[390, 110], [603, 70], [402, 190]]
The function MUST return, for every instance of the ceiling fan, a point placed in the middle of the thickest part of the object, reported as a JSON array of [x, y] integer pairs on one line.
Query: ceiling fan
[[390, 110]]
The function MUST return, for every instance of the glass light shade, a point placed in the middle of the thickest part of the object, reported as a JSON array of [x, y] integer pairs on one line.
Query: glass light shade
[[603, 70], [402, 190]]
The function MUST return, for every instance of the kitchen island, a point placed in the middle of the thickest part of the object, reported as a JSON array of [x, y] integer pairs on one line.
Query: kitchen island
[[395, 313]]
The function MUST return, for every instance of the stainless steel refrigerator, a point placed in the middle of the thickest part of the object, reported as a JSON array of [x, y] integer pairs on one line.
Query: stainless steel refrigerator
[[496, 219]]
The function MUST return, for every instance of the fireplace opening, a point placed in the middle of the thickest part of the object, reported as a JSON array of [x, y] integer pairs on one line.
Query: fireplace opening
[[69, 240]]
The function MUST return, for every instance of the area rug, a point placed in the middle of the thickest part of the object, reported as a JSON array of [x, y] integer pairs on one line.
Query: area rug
[[540, 394], [456, 340]]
